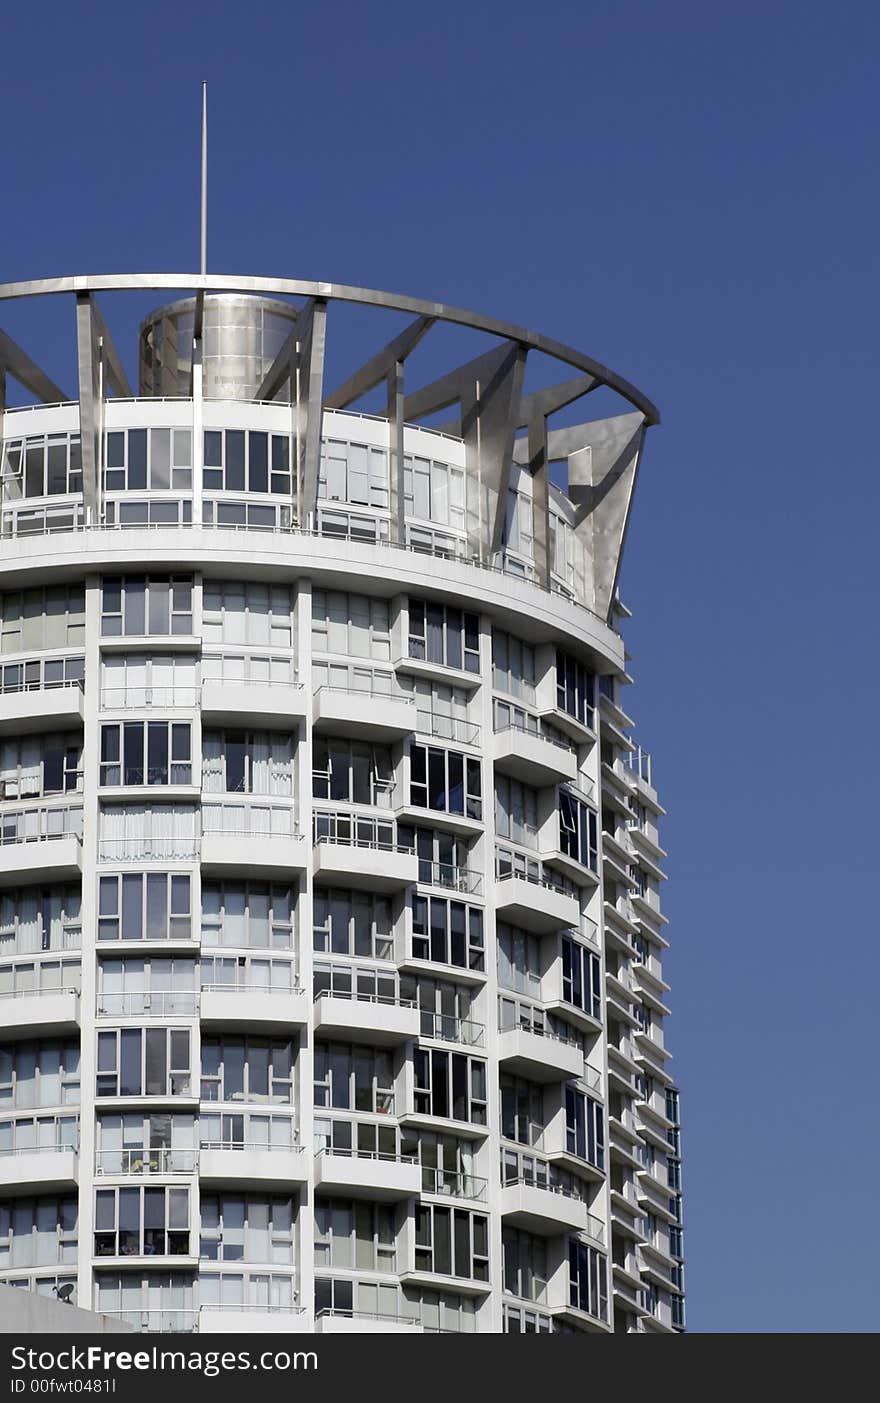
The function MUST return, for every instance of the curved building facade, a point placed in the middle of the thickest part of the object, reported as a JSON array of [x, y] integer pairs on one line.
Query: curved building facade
[[331, 991]]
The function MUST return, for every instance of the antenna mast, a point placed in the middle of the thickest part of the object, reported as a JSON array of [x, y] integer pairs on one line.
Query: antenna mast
[[204, 266]]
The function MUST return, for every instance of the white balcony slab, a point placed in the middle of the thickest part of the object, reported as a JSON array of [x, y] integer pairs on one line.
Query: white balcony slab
[[541, 1210], [261, 703], [259, 854], [371, 869], [383, 1180], [253, 1165], [50, 859], [381, 1024], [576, 871], [436, 1281], [32, 1015], [537, 1057], [535, 907], [254, 1008], [533, 759], [41, 1169], [43, 709], [381, 717]]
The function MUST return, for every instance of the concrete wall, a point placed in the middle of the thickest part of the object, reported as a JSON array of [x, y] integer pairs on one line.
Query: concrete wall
[[26, 1313]]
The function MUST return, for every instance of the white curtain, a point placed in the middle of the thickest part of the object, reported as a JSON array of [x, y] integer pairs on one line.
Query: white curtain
[[212, 763]]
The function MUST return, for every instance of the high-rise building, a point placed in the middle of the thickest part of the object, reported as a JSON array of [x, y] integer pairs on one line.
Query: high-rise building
[[331, 992]]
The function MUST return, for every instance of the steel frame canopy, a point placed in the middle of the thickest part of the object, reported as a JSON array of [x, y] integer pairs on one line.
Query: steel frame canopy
[[602, 455]]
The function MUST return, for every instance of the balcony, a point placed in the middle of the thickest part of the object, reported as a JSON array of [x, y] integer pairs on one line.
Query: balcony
[[38, 1168], [448, 1183], [257, 839], [541, 1057], [463, 880], [146, 1003], [368, 864], [439, 1281], [380, 715], [238, 703], [247, 1006], [380, 1020], [40, 843], [382, 1178], [159, 1322], [35, 709], [532, 757], [537, 905], [584, 1320], [445, 1027], [236, 1164], [546, 1209], [145, 1161], [242, 1319], [173, 697], [580, 873], [35, 1013]]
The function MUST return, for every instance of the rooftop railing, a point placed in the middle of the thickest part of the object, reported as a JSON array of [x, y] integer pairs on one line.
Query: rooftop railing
[[363, 531]]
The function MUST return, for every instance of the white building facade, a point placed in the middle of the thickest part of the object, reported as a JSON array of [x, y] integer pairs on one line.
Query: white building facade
[[331, 990]]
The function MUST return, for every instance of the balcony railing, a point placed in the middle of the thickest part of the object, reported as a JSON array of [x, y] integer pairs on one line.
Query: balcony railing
[[252, 1146], [450, 876], [253, 820], [174, 1322], [149, 848], [147, 698], [330, 1311], [530, 1021], [453, 1183], [13, 688], [451, 1029], [357, 831], [538, 734], [353, 1153], [39, 993], [136, 1003], [382, 685], [639, 763], [265, 1307], [360, 529], [534, 879], [58, 1147], [240, 986], [381, 790], [164, 1160], [388, 1000], [40, 825], [452, 728]]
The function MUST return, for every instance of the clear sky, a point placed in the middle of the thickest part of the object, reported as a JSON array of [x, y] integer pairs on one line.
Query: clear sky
[[688, 192]]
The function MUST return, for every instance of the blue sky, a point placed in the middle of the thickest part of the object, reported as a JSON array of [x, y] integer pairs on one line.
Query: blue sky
[[689, 193]]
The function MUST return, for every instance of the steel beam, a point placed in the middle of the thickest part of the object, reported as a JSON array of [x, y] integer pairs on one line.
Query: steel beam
[[601, 481], [379, 366], [536, 409], [113, 367], [17, 363], [90, 399], [310, 366], [283, 368]]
